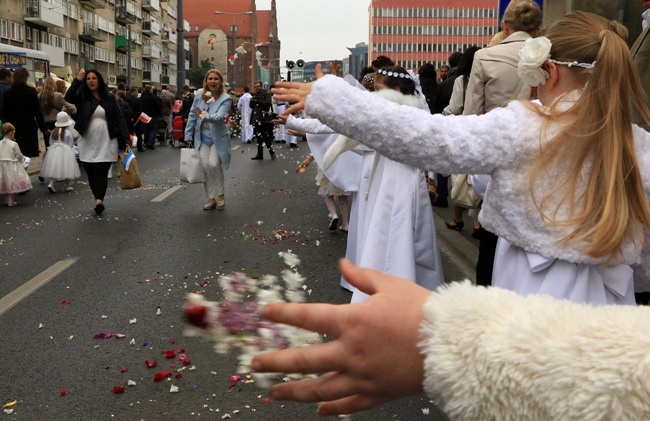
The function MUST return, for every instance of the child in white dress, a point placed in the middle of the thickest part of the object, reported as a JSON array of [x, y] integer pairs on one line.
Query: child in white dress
[[13, 177], [60, 162]]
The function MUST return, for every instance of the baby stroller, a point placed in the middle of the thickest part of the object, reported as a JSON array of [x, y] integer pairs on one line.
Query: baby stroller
[[164, 132], [178, 132]]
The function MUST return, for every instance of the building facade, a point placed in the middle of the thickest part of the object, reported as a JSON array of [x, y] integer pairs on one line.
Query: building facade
[[239, 40], [94, 34], [414, 32], [357, 60]]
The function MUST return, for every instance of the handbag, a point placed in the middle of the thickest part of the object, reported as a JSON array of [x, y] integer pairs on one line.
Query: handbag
[[191, 169], [129, 171], [462, 192]]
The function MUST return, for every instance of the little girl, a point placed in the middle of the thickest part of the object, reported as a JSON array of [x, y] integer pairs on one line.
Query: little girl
[[13, 177], [60, 161]]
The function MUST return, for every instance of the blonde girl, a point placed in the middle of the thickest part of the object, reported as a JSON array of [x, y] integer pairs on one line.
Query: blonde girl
[[13, 177], [570, 178]]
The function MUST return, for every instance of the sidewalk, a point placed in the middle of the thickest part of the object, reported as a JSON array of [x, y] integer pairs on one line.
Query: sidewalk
[[35, 163]]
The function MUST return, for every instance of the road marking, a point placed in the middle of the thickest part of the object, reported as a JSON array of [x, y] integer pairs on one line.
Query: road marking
[[25, 290], [166, 194], [235, 148]]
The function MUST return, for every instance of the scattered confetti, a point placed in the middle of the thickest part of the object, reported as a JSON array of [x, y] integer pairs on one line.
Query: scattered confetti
[[173, 389], [131, 383], [133, 321], [132, 342], [10, 404], [158, 311], [161, 376], [151, 364], [40, 326], [425, 411], [169, 354], [65, 302], [118, 389], [103, 335], [104, 316], [63, 391]]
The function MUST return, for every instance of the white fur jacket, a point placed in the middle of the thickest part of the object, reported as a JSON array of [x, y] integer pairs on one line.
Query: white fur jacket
[[491, 354], [500, 143]]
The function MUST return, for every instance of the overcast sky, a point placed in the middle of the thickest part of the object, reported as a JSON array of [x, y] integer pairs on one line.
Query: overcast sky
[[319, 29]]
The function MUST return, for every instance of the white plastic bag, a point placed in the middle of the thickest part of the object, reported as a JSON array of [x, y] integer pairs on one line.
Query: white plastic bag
[[191, 169]]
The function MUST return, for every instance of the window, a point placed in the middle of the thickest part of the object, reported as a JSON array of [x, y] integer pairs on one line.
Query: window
[[16, 31]]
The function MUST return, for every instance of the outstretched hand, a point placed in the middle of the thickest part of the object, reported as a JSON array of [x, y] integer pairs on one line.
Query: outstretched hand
[[374, 357], [295, 92]]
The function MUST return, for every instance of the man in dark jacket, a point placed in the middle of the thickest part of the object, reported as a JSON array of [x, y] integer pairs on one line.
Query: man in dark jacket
[[151, 106], [261, 120], [136, 106]]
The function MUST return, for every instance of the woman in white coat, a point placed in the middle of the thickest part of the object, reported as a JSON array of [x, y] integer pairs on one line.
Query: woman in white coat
[[207, 130]]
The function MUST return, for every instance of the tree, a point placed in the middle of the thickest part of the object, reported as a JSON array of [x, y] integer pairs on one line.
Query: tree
[[197, 74]]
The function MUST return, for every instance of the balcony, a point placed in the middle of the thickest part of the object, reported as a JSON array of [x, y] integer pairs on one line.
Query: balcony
[[146, 28], [167, 37], [151, 27], [124, 16], [151, 5], [164, 80], [151, 51], [151, 76], [93, 4], [89, 33], [43, 13], [122, 45], [56, 55]]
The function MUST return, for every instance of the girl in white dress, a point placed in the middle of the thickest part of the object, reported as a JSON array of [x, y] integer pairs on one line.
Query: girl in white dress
[[60, 161], [570, 178], [13, 177]]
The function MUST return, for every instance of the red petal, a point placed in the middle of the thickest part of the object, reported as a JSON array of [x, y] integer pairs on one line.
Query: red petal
[[187, 362], [170, 354], [124, 370], [63, 391], [179, 375], [162, 375], [65, 302], [151, 364], [118, 389], [267, 400], [172, 341]]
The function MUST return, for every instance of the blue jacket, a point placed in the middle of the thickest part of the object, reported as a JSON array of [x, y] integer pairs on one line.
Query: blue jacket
[[217, 113]]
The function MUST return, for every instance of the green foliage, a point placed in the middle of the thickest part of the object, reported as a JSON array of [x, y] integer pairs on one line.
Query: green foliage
[[196, 74]]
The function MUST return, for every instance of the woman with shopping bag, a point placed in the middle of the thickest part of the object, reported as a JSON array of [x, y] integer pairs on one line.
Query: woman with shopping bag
[[207, 131]]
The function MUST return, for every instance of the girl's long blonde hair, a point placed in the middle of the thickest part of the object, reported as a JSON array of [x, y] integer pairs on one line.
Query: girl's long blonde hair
[[596, 144], [46, 97], [205, 84]]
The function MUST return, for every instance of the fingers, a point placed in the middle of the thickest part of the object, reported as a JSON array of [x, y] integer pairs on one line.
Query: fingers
[[319, 71], [330, 387], [294, 108], [313, 359], [364, 279], [321, 318], [350, 405]]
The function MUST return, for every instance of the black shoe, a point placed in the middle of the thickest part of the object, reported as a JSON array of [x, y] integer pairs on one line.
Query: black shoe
[[293, 145], [41, 179], [476, 233], [272, 156], [440, 202], [458, 225], [99, 208], [257, 157]]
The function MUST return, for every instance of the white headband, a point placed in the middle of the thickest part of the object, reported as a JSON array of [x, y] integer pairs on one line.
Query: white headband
[[394, 74]]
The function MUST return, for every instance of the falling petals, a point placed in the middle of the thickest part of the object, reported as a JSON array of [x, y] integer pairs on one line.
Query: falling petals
[[233, 380], [103, 335], [118, 389], [65, 302], [169, 354], [179, 375], [124, 370], [151, 364]]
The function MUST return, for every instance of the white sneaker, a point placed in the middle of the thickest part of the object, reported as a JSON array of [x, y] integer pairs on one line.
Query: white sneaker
[[51, 188], [68, 188]]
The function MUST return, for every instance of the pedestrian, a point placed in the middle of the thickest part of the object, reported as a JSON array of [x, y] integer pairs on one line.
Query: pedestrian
[[5, 84], [152, 107], [136, 107], [243, 105], [207, 131], [102, 129], [262, 120], [21, 108], [60, 162], [570, 177], [13, 177], [479, 353], [52, 102]]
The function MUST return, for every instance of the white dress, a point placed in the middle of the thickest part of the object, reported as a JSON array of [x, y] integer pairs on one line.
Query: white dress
[[13, 177], [95, 144], [245, 110], [60, 161]]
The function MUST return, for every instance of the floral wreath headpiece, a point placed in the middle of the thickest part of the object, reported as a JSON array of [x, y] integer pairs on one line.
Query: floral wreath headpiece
[[394, 74], [531, 57], [368, 79]]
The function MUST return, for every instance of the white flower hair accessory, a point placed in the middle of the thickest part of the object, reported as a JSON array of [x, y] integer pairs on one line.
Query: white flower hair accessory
[[531, 57]]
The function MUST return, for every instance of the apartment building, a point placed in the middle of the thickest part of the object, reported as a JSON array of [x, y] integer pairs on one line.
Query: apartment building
[[99, 34], [414, 32]]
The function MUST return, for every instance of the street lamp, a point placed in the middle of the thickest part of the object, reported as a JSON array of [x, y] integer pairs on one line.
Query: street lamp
[[233, 31]]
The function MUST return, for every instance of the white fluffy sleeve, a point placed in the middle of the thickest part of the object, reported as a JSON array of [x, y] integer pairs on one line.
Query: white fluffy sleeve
[[491, 354], [307, 125], [448, 144]]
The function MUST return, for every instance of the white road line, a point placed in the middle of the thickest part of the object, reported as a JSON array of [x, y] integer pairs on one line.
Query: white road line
[[166, 194], [235, 148], [25, 290]]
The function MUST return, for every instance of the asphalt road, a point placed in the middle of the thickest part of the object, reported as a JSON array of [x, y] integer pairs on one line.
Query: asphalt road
[[102, 274]]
